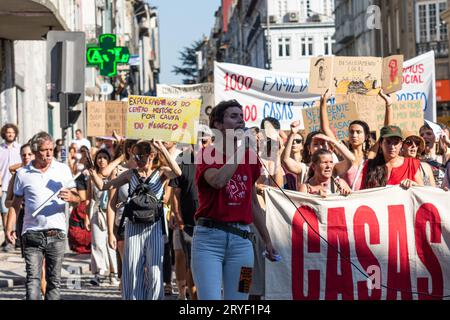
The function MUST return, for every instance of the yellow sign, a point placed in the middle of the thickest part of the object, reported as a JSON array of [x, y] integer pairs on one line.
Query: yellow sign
[[163, 118]]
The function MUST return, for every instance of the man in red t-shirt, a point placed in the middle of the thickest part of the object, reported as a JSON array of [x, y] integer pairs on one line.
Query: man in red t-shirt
[[226, 173]]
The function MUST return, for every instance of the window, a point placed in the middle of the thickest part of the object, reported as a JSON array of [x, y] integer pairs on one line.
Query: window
[[328, 45], [307, 46], [430, 27], [284, 47]]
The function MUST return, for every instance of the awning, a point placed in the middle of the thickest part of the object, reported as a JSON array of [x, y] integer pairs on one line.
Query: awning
[[442, 90], [29, 19]]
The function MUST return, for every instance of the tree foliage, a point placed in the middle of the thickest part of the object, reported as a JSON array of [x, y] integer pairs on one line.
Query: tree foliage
[[188, 60]]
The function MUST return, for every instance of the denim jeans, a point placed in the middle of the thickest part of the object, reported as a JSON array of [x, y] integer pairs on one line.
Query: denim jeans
[[37, 247], [218, 258]]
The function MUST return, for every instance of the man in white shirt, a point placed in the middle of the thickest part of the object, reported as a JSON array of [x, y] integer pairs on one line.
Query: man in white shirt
[[43, 235], [80, 141]]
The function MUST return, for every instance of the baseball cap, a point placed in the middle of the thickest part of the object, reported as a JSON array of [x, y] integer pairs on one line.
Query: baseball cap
[[391, 131]]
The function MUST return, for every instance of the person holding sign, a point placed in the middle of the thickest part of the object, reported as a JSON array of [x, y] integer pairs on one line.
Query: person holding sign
[[359, 141], [144, 247], [222, 251]]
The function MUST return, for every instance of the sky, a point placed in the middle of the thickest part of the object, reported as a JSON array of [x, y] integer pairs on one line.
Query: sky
[[181, 22]]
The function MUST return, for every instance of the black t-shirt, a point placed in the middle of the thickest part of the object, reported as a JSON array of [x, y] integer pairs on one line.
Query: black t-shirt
[[189, 195], [81, 182]]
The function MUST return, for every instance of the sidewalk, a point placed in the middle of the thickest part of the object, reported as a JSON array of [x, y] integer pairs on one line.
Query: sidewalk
[[12, 266]]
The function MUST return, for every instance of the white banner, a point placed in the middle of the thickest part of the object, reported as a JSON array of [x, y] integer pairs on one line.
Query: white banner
[[264, 93], [400, 238], [203, 91], [419, 83]]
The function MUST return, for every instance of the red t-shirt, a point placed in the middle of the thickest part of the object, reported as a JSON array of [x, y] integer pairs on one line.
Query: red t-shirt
[[232, 203], [407, 170]]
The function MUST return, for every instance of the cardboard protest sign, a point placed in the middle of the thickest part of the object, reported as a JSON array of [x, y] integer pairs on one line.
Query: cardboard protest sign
[[162, 118], [202, 91], [339, 115], [392, 79], [103, 117], [349, 75], [408, 115]]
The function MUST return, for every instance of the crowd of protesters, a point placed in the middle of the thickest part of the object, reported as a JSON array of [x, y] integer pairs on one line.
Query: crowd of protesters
[[211, 230]]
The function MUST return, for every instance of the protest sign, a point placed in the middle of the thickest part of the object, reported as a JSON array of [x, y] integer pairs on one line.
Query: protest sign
[[264, 93], [419, 83], [103, 117], [202, 91], [408, 115], [349, 75], [397, 238], [339, 115], [166, 119]]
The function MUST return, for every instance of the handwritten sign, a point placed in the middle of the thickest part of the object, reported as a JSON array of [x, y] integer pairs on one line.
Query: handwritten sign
[[339, 115], [355, 75], [202, 91], [105, 116], [408, 115], [163, 118]]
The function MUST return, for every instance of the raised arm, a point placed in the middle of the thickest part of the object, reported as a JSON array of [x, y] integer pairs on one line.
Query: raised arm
[[344, 165], [291, 164], [324, 122], [173, 170], [114, 183], [388, 114]]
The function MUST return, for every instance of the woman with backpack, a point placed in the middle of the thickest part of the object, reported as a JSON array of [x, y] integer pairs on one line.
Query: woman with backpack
[[144, 247]]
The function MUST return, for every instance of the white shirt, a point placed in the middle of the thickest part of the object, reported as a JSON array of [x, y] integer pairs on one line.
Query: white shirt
[[36, 187], [82, 142], [8, 157]]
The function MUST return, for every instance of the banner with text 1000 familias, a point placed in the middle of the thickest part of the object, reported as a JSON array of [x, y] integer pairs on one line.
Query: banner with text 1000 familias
[[398, 238], [264, 93], [166, 119]]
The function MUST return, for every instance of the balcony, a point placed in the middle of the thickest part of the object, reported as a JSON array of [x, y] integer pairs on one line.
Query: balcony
[[440, 48]]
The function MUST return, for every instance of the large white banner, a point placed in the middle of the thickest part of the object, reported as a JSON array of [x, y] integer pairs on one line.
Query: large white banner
[[400, 238], [419, 83], [203, 91], [264, 93]]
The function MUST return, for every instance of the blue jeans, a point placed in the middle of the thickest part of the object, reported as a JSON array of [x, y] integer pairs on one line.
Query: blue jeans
[[38, 246], [218, 258]]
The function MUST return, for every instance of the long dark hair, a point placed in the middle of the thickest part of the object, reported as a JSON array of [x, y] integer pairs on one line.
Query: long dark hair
[[376, 170], [366, 145], [104, 151], [306, 155]]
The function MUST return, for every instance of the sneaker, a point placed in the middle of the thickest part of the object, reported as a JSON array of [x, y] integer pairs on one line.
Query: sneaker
[[8, 248], [114, 279], [96, 281], [167, 289]]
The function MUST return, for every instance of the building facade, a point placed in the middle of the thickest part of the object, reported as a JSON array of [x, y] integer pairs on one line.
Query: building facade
[[23, 55], [280, 35]]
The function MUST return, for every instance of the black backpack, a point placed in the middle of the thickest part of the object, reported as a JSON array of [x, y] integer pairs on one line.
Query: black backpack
[[142, 205]]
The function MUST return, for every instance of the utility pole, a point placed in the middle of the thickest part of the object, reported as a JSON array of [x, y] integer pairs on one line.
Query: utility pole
[[269, 55]]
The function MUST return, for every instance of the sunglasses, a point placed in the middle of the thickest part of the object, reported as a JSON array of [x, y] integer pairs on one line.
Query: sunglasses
[[410, 142], [140, 157], [204, 141], [297, 141]]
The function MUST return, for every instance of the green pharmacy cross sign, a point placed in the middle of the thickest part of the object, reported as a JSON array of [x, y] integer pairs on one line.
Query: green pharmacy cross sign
[[107, 56]]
